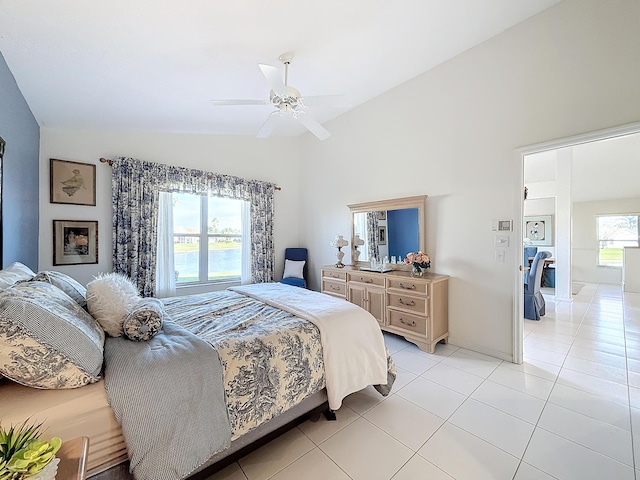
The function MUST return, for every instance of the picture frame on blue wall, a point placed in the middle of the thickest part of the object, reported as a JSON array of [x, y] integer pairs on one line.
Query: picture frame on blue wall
[[72, 182], [3, 144]]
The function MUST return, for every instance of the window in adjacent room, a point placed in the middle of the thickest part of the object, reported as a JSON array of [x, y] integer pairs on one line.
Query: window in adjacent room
[[207, 238], [614, 233]]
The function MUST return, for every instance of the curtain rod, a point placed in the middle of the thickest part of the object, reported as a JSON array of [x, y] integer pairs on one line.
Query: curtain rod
[[110, 162]]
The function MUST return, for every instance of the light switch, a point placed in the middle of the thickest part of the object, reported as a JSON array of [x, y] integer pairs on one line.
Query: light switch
[[501, 241], [499, 255]]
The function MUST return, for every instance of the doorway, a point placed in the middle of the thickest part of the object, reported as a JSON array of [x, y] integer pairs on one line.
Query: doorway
[[562, 151]]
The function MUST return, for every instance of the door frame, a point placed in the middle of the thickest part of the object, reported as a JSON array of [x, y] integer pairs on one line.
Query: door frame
[[519, 154]]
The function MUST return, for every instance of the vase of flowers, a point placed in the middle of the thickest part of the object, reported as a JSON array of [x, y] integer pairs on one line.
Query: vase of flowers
[[419, 262], [23, 456]]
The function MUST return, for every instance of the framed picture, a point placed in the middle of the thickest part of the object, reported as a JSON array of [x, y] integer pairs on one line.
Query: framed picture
[[538, 230], [72, 182], [382, 235], [75, 242], [2, 145]]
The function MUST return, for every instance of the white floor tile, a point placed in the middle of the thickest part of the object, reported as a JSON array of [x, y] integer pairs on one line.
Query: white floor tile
[[595, 385], [415, 362], [393, 342], [404, 421], [597, 369], [523, 382], [418, 468], [365, 452], [567, 460], [602, 437], [467, 457], [528, 472], [494, 426], [511, 401], [364, 400], [275, 455], [470, 364], [315, 465], [322, 429], [536, 368], [453, 378], [594, 406], [232, 472], [403, 377], [542, 355], [439, 400]]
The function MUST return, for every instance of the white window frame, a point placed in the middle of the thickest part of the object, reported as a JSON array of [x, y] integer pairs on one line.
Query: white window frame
[[203, 251], [600, 240]]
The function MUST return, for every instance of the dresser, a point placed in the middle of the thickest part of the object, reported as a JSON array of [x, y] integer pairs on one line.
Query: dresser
[[413, 307]]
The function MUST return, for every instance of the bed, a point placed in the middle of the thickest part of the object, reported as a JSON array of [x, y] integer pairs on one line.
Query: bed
[[284, 353]]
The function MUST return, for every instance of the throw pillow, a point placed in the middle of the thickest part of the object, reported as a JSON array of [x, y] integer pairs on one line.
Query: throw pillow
[[46, 339], [111, 297], [293, 268], [145, 321], [13, 274], [65, 283]]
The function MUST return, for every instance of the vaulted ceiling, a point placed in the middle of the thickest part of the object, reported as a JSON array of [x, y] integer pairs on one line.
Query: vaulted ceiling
[[157, 64]]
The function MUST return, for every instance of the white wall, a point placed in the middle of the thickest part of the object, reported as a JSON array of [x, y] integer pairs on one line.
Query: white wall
[[275, 160], [585, 239], [451, 133]]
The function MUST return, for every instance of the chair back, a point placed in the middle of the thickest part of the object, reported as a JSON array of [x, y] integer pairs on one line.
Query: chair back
[[298, 254], [535, 273]]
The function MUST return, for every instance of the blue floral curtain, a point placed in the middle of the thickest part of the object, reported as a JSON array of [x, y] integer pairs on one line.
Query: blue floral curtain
[[372, 235], [135, 191]]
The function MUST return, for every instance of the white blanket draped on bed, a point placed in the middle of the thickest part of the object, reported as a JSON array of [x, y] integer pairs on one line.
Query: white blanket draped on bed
[[353, 347]]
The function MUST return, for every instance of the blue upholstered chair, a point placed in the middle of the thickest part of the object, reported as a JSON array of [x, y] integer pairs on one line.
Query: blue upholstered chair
[[529, 252], [534, 306], [295, 272]]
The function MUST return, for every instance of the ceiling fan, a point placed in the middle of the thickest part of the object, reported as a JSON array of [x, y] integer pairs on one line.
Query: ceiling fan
[[288, 101]]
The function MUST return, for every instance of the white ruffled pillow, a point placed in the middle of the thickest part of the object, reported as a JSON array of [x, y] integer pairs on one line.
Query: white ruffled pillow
[[293, 268], [111, 297]]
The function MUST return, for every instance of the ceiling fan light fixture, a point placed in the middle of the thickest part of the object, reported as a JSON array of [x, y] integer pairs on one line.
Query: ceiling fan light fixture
[[288, 100]]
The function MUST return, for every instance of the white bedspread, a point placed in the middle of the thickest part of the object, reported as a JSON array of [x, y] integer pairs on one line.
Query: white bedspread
[[353, 348]]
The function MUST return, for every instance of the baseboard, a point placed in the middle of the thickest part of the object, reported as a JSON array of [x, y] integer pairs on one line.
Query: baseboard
[[507, 357]]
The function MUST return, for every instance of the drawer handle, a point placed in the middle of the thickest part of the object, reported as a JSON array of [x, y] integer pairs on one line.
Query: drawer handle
[[411, 324], [410, 304], [334, 287], [366, 281], [333, 275], [410, 287]]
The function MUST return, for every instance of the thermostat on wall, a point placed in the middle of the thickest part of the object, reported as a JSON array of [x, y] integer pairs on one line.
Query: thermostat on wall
[[501, 225]]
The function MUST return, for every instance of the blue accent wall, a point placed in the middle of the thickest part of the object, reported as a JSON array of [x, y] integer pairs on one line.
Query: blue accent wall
[[403, 231], [20, 174]]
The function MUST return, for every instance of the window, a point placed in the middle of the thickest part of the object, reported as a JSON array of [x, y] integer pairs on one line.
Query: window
[[615, 232], [207, 238]]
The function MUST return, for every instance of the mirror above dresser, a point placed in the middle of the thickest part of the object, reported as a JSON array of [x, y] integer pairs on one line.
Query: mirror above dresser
[[387, 228]]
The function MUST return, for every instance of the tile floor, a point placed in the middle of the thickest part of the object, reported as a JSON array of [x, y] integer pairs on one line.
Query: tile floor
[[570, 411]]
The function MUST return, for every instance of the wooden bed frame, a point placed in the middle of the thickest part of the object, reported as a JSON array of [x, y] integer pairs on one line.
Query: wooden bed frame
[[309, 409]]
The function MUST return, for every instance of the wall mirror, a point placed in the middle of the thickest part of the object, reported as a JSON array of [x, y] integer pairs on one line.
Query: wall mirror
[[387, 228]]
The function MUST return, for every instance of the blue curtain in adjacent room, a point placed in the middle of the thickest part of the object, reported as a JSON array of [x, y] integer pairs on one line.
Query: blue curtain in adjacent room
[[135, 190]]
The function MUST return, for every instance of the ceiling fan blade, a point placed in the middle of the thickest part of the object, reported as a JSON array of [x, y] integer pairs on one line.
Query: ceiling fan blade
[[221, 103], [313, 126], [274, 78], [268, 125], [333, 101]]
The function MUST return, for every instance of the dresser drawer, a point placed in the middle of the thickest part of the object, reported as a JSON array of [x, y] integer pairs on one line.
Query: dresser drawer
[[334, 274], [337, 288], [407, 302], [408, 284], [407, 321], [368, 279]]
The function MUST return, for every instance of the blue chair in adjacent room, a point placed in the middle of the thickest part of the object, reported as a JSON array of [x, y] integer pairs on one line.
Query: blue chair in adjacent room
[[534, 306], [295, 267], [529, 252]]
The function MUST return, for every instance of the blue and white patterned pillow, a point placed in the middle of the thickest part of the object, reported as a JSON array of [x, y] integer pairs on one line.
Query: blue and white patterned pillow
[[64, 282], [46, 339], [145, 321]]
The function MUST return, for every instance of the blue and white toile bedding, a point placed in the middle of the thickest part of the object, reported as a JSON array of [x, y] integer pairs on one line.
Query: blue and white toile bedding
[[276, 345]]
